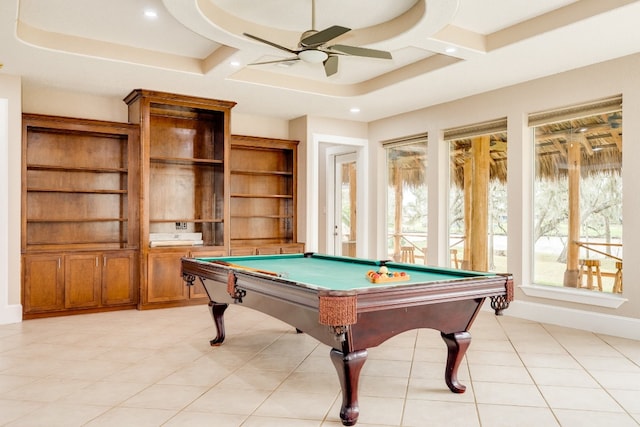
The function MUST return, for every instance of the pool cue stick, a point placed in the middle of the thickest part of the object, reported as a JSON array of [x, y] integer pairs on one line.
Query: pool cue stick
[[242, 267]]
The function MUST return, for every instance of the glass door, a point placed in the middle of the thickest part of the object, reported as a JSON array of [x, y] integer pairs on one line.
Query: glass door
[[344, 233]]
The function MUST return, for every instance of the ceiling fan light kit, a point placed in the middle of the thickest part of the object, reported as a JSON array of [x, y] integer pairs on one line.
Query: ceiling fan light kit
[[313, 56], [312, 49]]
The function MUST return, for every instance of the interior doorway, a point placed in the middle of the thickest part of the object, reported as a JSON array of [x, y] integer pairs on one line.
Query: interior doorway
[[345, 204], [320, 195]]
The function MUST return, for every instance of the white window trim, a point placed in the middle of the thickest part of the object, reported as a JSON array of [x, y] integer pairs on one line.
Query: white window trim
[[578, 296], [560, 293]]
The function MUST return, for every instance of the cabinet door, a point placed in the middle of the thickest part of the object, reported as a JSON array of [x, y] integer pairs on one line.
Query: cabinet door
[[43, 283], [164, 282], [197, 290], [294, 248], [243, 251], [82, 280], [118, 278], [268, 250]]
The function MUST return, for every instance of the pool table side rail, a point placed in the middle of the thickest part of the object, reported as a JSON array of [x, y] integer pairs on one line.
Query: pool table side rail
[[370, 299], [434, 292]]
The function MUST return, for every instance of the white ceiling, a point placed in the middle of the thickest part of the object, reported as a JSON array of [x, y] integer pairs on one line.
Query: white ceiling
[[110, 48]]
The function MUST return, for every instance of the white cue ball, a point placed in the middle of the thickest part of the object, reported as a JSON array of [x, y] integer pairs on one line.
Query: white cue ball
[[383, 270]]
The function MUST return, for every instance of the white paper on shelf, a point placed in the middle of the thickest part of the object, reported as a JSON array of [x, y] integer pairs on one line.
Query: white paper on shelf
[[174, 236], [157, 243]]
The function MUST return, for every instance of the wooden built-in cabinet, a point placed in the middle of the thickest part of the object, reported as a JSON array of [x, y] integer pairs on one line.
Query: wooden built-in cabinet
[[263, 196], [109, 209], [183, 173], [79, 222], [164, 274], [79, 280]]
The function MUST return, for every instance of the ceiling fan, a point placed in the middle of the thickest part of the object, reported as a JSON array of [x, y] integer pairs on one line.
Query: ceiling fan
[[312, 49]]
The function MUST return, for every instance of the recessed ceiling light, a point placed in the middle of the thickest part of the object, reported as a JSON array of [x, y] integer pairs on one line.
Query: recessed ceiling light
[[450, 49], [354, 110], [235, 63], [150, 13]]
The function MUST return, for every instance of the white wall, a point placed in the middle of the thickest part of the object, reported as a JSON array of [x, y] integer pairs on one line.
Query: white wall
[[250, 125], [56, 102], [515, 103], [10, 149]]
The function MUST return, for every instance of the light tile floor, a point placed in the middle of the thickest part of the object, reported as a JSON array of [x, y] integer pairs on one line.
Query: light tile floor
[[156, 368]]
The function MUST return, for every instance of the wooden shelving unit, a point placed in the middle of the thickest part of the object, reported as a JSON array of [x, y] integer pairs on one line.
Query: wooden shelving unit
[[263, 195], [79, 229], [184, 147], [96, 195]]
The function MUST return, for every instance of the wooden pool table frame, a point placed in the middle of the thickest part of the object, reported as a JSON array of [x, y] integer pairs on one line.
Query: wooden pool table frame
[[447, 306]]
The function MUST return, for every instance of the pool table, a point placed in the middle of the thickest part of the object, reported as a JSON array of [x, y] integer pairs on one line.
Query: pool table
[[334, 300]]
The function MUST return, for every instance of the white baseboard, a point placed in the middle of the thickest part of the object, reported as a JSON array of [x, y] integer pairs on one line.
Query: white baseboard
[[624, 327], [10, 314]]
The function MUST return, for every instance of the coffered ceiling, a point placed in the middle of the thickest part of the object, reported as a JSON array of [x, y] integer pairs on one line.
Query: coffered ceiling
[[441, 49]]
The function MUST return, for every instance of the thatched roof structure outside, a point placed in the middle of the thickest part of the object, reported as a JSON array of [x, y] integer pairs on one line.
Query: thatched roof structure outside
[[601, 149], [601, 146], [410, 163]]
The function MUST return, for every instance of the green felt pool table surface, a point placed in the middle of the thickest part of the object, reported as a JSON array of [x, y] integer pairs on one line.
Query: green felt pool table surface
[[319, 271]]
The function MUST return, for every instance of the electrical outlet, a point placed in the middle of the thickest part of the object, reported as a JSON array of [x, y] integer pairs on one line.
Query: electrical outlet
[[181, 225]]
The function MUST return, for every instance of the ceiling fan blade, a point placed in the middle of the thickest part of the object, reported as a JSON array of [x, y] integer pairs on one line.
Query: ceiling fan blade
[[276, 61], [331, 66], [324, 36], [277, 46], [361, 51]]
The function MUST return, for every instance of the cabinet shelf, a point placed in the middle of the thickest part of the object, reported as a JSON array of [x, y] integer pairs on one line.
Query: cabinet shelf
[[262, 216], [197, 221], [261, 172], [74, 191], [185, 161], [263, 196], [82, 220], [78, 246], [257, 241], [59, 168]]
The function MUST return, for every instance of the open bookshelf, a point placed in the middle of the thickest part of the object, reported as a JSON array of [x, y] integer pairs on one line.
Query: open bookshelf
[[79, 181], [184, 146], [263, 195]]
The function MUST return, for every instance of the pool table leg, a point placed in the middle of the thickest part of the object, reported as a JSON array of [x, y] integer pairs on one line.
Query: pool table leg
[[217, 312], [457, 344], [348, 367]]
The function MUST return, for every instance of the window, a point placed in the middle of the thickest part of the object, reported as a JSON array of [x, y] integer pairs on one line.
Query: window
[[407, 199], [478, 196], [578, 196]]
